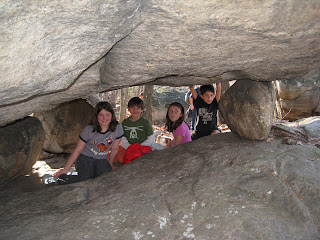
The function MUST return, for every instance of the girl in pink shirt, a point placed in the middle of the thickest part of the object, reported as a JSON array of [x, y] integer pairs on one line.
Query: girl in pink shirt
[[176, 124]]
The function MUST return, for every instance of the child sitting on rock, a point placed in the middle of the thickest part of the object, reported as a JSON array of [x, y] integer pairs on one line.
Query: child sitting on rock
[[176, 124], [138, 132], [94, 144]]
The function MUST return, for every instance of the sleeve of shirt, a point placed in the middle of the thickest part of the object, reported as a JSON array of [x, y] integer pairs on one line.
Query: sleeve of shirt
[[124, 143], [123, 124], [119, 131], [180, 131], [149, 128], [148, 141], [84, 135]]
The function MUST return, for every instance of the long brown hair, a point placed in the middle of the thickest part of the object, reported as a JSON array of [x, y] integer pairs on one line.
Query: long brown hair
[[171, 126], [106, 106]]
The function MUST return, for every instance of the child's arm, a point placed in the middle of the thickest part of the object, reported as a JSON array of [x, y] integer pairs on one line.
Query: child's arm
[[177, 140], [114, 151], [218, 92], [194, 92], [124, 143], [73, 157], [148, 142], [191, 103], [151, 136]]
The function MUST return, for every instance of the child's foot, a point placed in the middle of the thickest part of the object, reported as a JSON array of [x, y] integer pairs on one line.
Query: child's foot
[[63, 179], [48, 179]]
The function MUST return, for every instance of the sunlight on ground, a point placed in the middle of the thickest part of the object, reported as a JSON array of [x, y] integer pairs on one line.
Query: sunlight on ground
[[42, 167]]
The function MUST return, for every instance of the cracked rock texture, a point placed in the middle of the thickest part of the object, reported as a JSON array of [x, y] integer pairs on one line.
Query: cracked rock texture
[[218, 187], [54, 52], [300, 96]]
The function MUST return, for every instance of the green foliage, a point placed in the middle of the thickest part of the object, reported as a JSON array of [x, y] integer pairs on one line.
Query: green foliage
[[164, 95]]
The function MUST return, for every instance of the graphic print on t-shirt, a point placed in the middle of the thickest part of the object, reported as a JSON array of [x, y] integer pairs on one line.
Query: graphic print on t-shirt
[[103, 148], [133, 131], [206, 116]]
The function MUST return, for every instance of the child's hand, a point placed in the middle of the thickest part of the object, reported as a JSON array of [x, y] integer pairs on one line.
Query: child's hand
[[61, 171], [113, 167]]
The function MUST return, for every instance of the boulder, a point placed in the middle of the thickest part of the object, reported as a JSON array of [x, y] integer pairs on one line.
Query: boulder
[[299, 97], [64, 124], [247, 108], [217, 187], [20, 147], [54, 52]]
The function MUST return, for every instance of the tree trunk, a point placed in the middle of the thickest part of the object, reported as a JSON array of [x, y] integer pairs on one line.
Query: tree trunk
[[140, 90], [224, 87], [147, 99], [123, 103]]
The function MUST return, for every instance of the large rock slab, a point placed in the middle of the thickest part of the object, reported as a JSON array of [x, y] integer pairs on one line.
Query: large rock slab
[[20, 147], [218, 187], [247, 107], [188, 41], [54, 52], [47, 45]]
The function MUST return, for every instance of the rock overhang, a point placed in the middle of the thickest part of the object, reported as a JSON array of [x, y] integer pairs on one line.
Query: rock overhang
[[146, 42]]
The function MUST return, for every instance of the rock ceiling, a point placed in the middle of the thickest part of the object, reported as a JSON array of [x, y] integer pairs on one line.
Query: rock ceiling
[[55, 52]]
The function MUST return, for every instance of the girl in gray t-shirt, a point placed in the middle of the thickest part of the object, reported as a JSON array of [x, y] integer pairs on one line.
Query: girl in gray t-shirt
[[94, 144]]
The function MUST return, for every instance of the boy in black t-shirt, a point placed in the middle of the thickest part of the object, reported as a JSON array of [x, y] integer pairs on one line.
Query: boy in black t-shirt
[[207, 108]]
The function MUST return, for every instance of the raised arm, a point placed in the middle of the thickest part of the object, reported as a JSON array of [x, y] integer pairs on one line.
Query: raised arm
[[191, 103], [218, 92], [194, 92]]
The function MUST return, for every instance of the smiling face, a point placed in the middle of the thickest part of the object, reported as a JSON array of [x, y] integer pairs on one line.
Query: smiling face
[[104, 119], [135, 112], [174, 113], [208, 97]]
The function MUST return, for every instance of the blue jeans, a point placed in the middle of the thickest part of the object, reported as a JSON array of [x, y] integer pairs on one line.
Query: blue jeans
[[193, 120]]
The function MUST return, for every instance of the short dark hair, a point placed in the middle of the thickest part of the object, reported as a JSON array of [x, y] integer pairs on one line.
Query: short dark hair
[[207, 88], [106, 106], [135, 101]]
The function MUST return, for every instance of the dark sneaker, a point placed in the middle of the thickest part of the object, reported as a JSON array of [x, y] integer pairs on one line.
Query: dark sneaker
[[63, 179]]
